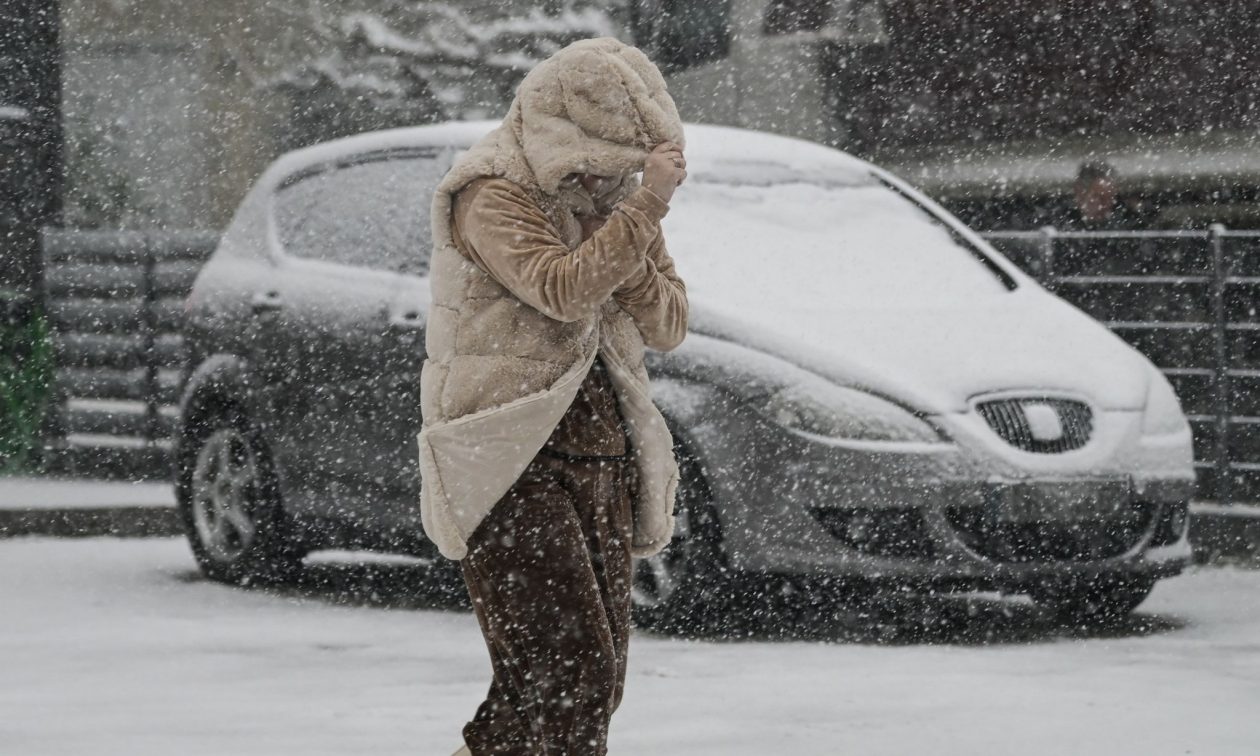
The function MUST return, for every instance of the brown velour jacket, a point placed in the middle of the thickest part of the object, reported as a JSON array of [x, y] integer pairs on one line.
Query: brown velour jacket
[[499, 227], [496, 225]]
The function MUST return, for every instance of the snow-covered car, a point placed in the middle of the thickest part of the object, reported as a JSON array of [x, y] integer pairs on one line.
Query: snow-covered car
[[868, 391]]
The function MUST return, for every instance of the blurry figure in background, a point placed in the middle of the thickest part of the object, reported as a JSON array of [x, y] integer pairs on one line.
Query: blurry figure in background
[[545, 466], [1097, 205]]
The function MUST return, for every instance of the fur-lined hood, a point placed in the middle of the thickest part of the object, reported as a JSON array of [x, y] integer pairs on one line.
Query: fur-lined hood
[[598, 106]]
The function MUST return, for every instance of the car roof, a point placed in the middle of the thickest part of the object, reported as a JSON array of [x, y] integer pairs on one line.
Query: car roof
[[705, 143], [707, 146]]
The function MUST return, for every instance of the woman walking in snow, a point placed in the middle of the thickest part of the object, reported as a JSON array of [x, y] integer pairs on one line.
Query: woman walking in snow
[[545, 465]]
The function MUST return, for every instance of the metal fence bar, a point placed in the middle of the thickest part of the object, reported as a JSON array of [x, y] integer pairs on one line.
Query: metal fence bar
[[148, 331], [1048, 236], [1220, 377], [1078, 235], [1064, 234]]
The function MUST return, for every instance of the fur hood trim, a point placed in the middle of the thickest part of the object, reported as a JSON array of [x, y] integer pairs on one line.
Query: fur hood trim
[[598, 106]]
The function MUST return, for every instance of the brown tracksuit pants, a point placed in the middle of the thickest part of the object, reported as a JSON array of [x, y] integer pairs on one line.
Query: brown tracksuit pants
[[549, 573]]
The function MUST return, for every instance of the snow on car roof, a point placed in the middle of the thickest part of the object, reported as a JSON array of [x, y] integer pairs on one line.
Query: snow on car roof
[[711, 150]]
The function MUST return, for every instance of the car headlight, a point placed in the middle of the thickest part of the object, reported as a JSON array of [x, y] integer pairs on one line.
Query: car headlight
[[836, 412], [1163, 415]]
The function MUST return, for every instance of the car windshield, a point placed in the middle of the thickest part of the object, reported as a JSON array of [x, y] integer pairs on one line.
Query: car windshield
[[831, 236]]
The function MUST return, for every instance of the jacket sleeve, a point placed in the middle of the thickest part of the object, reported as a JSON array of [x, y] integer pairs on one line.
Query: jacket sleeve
[[657, 299], [511, 239]]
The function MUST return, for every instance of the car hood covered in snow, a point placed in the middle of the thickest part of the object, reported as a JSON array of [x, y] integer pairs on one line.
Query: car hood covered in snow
[[936, 359], [807, 254]]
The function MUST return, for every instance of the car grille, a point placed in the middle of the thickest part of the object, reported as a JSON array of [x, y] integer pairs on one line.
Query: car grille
[[1078, 541], [1009, 419]]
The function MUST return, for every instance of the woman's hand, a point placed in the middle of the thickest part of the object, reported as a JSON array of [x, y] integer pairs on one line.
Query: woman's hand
[[664, 170], [590, 224]]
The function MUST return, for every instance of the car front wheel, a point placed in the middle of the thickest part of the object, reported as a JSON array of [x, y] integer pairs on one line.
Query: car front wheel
[[686, 587], [229, 505]]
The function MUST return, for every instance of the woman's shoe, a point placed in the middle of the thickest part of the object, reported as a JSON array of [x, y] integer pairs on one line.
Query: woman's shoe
[[463, 751]]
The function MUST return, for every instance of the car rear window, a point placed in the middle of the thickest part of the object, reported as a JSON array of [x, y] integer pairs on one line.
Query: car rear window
[[372, 212]]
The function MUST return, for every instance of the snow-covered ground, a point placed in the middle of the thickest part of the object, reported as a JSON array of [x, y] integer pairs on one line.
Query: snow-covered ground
[[119, 647], [75, 493]]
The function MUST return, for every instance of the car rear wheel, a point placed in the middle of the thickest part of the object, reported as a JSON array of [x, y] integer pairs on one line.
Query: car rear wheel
[[230, 507], [686, 587], [1107, 597]]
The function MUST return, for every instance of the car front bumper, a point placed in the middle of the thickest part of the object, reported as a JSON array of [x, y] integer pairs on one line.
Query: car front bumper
[[958, 515], [998, 535]]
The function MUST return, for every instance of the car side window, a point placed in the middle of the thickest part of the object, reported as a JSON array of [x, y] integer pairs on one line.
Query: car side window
[[371, 212]]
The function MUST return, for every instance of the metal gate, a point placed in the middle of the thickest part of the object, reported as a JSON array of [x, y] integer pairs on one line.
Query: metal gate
[[115, 303]]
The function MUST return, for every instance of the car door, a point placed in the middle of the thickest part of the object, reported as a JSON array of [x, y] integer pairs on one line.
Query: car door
[[338, 338], [401, 217], [402, 358]]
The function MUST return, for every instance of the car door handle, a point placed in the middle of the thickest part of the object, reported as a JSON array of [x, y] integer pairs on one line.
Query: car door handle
[[410, 320], [269, 301]]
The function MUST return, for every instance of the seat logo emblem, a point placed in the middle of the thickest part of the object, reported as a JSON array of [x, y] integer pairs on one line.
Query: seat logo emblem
[[1043, 422]]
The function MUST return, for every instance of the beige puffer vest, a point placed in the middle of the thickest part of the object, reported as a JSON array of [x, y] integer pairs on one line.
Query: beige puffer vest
[[500, 374]]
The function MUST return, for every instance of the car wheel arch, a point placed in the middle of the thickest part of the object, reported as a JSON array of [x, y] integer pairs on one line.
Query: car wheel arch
[[689, 406], [221, 375], [691, 461], [218, 387]]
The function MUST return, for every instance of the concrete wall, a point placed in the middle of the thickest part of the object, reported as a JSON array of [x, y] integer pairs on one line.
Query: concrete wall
[[172, 107], [165, 125]]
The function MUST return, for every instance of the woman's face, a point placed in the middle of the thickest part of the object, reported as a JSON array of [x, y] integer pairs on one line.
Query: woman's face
[[598, 186]]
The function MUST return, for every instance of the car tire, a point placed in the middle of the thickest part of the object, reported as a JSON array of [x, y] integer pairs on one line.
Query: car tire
[[229, 503], [1108, 597], [686, 588]]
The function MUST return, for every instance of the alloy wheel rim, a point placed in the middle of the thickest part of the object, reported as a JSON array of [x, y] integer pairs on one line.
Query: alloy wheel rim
[[224, 489]]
